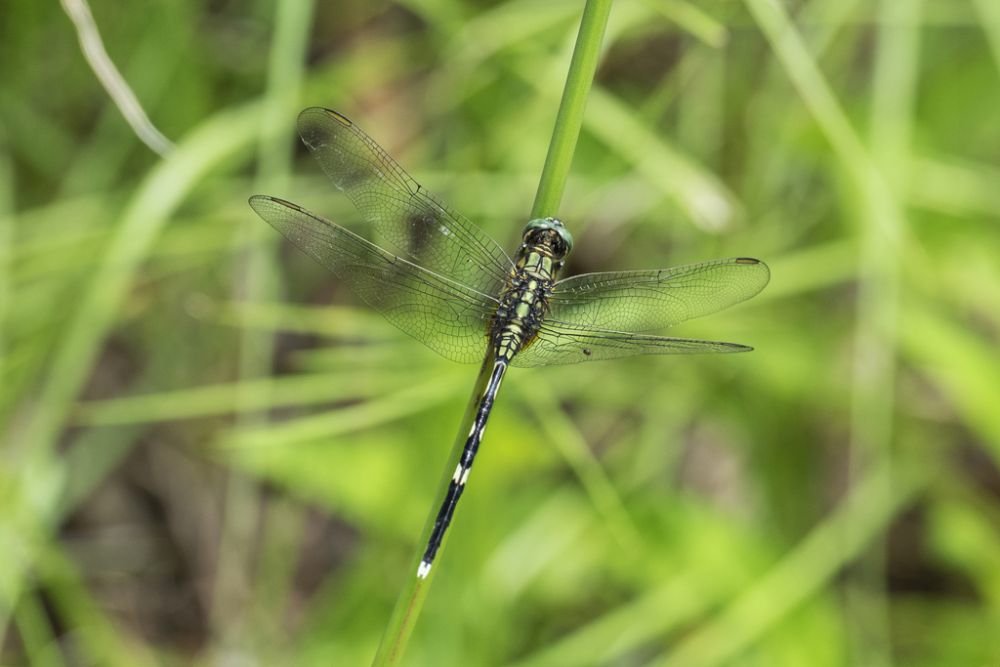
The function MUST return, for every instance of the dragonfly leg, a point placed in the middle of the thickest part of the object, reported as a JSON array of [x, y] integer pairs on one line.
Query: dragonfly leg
[[457, 484]]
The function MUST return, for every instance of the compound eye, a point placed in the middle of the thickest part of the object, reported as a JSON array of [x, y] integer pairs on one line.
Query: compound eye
[[565, 239]]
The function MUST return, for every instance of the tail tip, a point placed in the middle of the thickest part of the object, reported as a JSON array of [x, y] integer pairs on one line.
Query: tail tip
[[423, 570]]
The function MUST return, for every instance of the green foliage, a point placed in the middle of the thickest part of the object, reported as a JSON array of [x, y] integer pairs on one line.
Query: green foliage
[[212, 452]]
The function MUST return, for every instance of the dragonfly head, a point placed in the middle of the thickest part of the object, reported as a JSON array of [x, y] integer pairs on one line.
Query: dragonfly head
[[551, 233]]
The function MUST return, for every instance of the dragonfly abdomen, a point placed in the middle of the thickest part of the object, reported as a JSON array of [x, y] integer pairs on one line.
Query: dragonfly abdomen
[[457, 484]]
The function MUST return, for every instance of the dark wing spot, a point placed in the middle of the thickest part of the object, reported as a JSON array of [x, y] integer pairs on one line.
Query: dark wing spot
[[423, 230], [747, 260]]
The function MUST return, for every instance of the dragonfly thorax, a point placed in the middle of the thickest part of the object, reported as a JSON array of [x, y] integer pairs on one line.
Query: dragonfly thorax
[[524, 300]]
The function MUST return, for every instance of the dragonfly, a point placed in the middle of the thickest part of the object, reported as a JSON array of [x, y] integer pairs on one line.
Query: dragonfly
[[453, 288]]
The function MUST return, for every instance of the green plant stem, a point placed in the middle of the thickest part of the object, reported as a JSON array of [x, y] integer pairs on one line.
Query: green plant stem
[[168, 184], [30, 447], [550, 189], [882, 235], [574, 100], [257, 279], [862, 516], [7, 206], [876, 332]]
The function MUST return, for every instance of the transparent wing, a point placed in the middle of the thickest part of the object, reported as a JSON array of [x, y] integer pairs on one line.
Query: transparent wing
[[401, 212], [638, 301], [566, 343], [449, 318]]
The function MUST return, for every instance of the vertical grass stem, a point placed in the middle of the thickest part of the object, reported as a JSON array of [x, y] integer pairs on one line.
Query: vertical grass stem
[[550, 189], [574, 100]]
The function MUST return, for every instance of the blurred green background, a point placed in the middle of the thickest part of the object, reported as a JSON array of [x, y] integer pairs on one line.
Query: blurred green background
[[214, 455]]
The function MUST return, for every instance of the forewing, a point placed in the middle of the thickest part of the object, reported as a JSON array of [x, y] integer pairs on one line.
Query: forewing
[[567, 343], [401, 212], [448, 317], [636, 301]]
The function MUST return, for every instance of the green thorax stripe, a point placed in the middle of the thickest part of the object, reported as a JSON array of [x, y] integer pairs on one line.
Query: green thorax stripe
[[537, 265]]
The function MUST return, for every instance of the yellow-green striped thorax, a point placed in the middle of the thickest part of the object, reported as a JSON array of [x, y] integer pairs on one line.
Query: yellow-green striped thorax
[[524, 301]]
